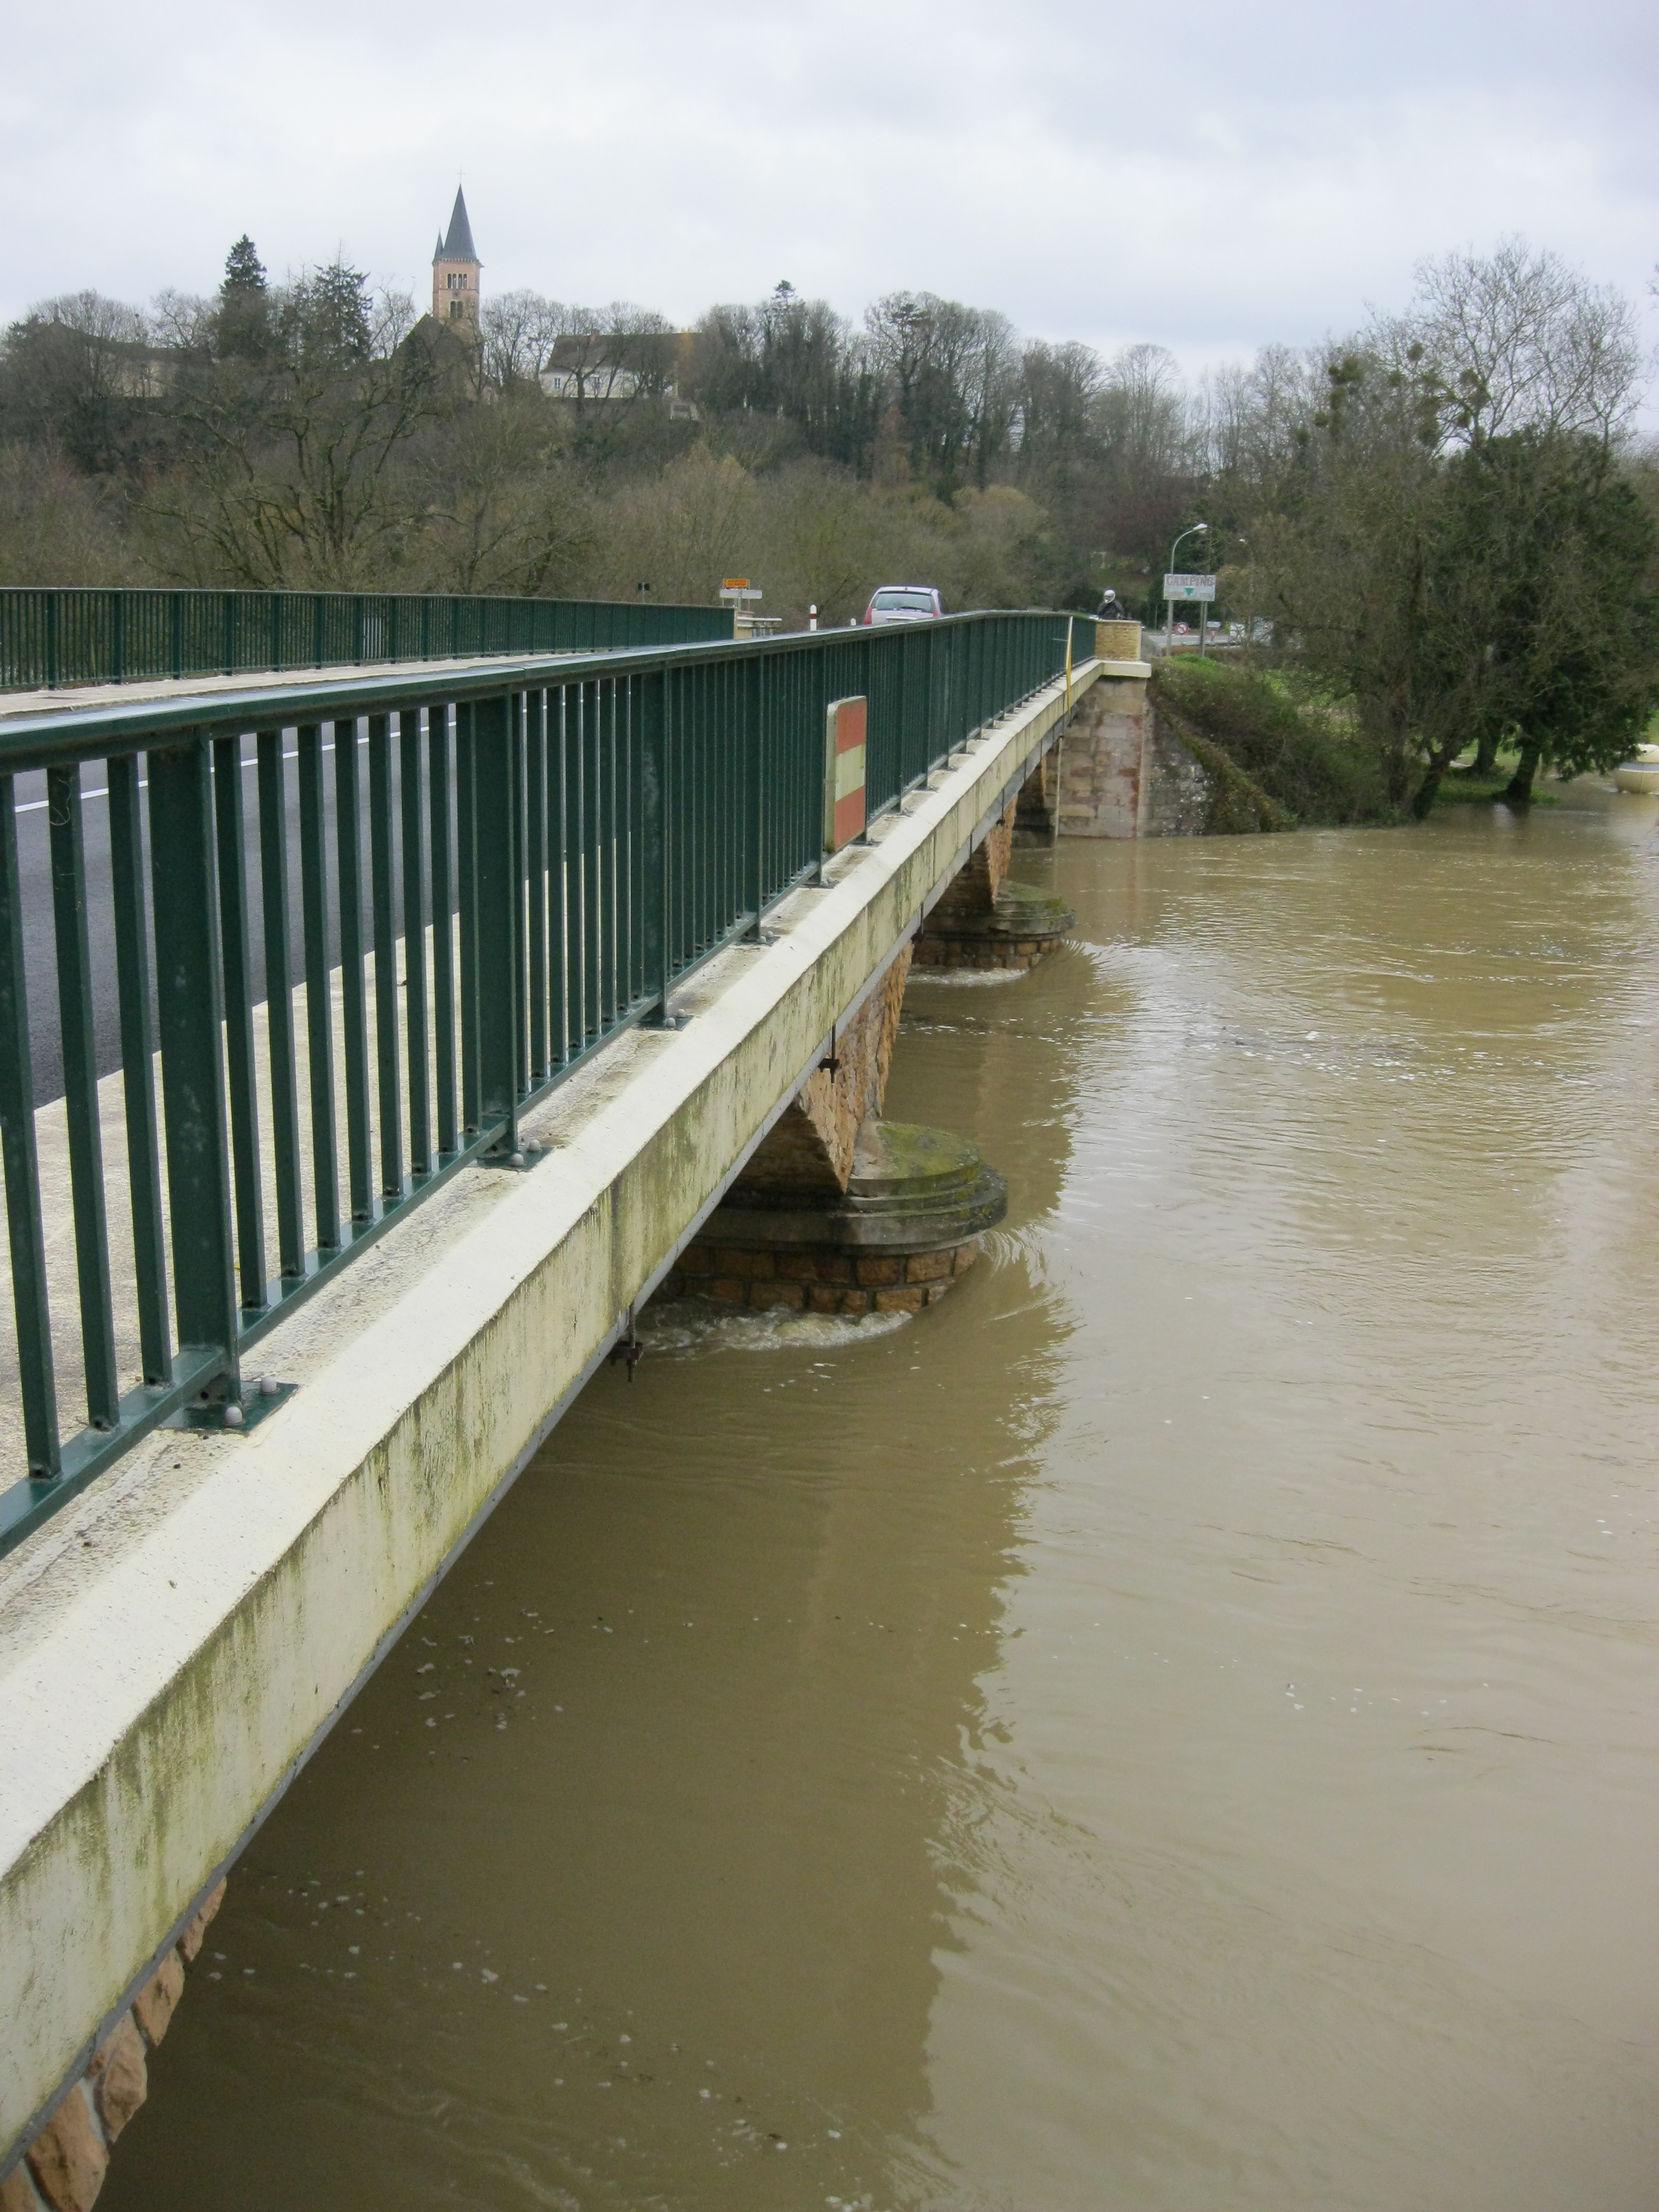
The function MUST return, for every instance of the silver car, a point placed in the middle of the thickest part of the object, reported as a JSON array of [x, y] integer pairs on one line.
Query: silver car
[[903, 603]]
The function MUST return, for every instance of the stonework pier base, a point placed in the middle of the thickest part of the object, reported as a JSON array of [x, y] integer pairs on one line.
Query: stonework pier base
[[839, 1211], [909, 1223], [985, 921]]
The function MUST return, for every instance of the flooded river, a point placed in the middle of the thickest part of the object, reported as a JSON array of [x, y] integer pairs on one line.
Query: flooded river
[[1175, 1728]]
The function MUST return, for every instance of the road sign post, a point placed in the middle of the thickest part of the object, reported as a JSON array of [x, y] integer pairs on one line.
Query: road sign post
[[1186, 590], [737, 593]]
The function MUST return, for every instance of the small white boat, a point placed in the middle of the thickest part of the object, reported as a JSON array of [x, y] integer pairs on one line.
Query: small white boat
[[1640, 775]]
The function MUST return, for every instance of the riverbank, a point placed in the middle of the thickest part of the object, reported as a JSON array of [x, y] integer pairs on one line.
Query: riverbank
[[1277, 757]]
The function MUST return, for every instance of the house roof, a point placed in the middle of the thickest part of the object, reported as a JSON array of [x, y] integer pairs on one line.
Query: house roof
[[459, 245]]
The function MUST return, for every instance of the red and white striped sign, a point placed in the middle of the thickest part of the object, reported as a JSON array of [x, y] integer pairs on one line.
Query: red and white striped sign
[[843, 772]]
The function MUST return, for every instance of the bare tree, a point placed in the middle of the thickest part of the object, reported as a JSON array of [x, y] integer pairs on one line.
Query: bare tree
[[952, 374], [500, 510], [289, 475], [1057, 406], [78, 373], [1516, 340], [795, 361], [519, 331], [686, 530], [1258, 418], [55, 523], [181, 321]]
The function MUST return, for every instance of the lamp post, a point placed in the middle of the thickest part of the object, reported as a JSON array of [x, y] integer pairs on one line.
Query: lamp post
[[1249, 594], [1169, 603]]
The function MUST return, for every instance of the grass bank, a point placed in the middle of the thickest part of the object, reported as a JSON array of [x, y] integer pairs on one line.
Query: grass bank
[[1302, 754], [1471, 787]]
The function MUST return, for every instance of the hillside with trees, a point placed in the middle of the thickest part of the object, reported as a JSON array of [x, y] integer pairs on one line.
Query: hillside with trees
[[1444, 518]]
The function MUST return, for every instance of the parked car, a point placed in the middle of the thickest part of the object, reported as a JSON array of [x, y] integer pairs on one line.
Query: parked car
[[902, 602]]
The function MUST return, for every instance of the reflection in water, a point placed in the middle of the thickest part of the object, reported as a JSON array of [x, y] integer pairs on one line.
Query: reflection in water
[[1173, 1729]]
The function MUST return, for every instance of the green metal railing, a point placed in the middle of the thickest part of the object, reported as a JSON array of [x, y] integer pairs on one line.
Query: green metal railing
[[50, 637], [478, 880]]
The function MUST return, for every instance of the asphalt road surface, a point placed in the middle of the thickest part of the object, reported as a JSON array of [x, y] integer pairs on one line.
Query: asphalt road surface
[[40, 950]]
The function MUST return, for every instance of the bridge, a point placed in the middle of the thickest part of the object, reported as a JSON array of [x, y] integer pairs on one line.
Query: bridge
[[407, 1029]]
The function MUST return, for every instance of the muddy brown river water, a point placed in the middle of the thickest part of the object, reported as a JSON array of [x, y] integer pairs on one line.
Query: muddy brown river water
[[1175, 1728]]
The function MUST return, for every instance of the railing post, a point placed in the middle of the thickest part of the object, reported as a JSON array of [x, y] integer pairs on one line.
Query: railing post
[[126, 846], [753, 809], [190, 1003], [559, 908], [440, 787], [354, 1009], [649, 710], [382, 894], [74, 1011], [608, 847], [499, 893], [535, 788], [279, 1004], [29, 1252], [586, 762], [319, 1003], [236, 968], [415, 964], [466, 884]]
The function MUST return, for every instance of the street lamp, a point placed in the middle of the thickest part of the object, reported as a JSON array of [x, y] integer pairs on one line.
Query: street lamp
[[1169, 603], [1249, 594]]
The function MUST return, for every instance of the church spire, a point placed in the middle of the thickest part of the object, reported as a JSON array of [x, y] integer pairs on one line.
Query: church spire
[[458, 246], [455, 267]]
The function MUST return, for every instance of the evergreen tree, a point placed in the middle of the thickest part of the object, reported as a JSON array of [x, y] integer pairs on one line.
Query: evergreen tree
[[331, 317], [245, 273], [1572, 620], [243, 315]]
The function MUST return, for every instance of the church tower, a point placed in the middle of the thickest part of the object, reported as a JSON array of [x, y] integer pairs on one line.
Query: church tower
[[455, 268]]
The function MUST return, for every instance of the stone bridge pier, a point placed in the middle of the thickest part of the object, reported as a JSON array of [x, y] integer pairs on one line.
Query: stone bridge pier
[[838, 1210], [984, 919]]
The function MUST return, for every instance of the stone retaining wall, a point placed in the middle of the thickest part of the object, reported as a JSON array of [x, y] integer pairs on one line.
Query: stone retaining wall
[[1132, 767]]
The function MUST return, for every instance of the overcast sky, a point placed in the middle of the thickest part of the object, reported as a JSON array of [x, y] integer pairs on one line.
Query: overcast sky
[[1209, 178]]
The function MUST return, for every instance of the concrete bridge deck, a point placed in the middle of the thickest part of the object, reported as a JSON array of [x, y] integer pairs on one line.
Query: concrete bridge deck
[[92, 698], [174, 1646]]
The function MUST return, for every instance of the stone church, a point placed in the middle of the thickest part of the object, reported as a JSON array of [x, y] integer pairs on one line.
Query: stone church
[[584, 367]]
